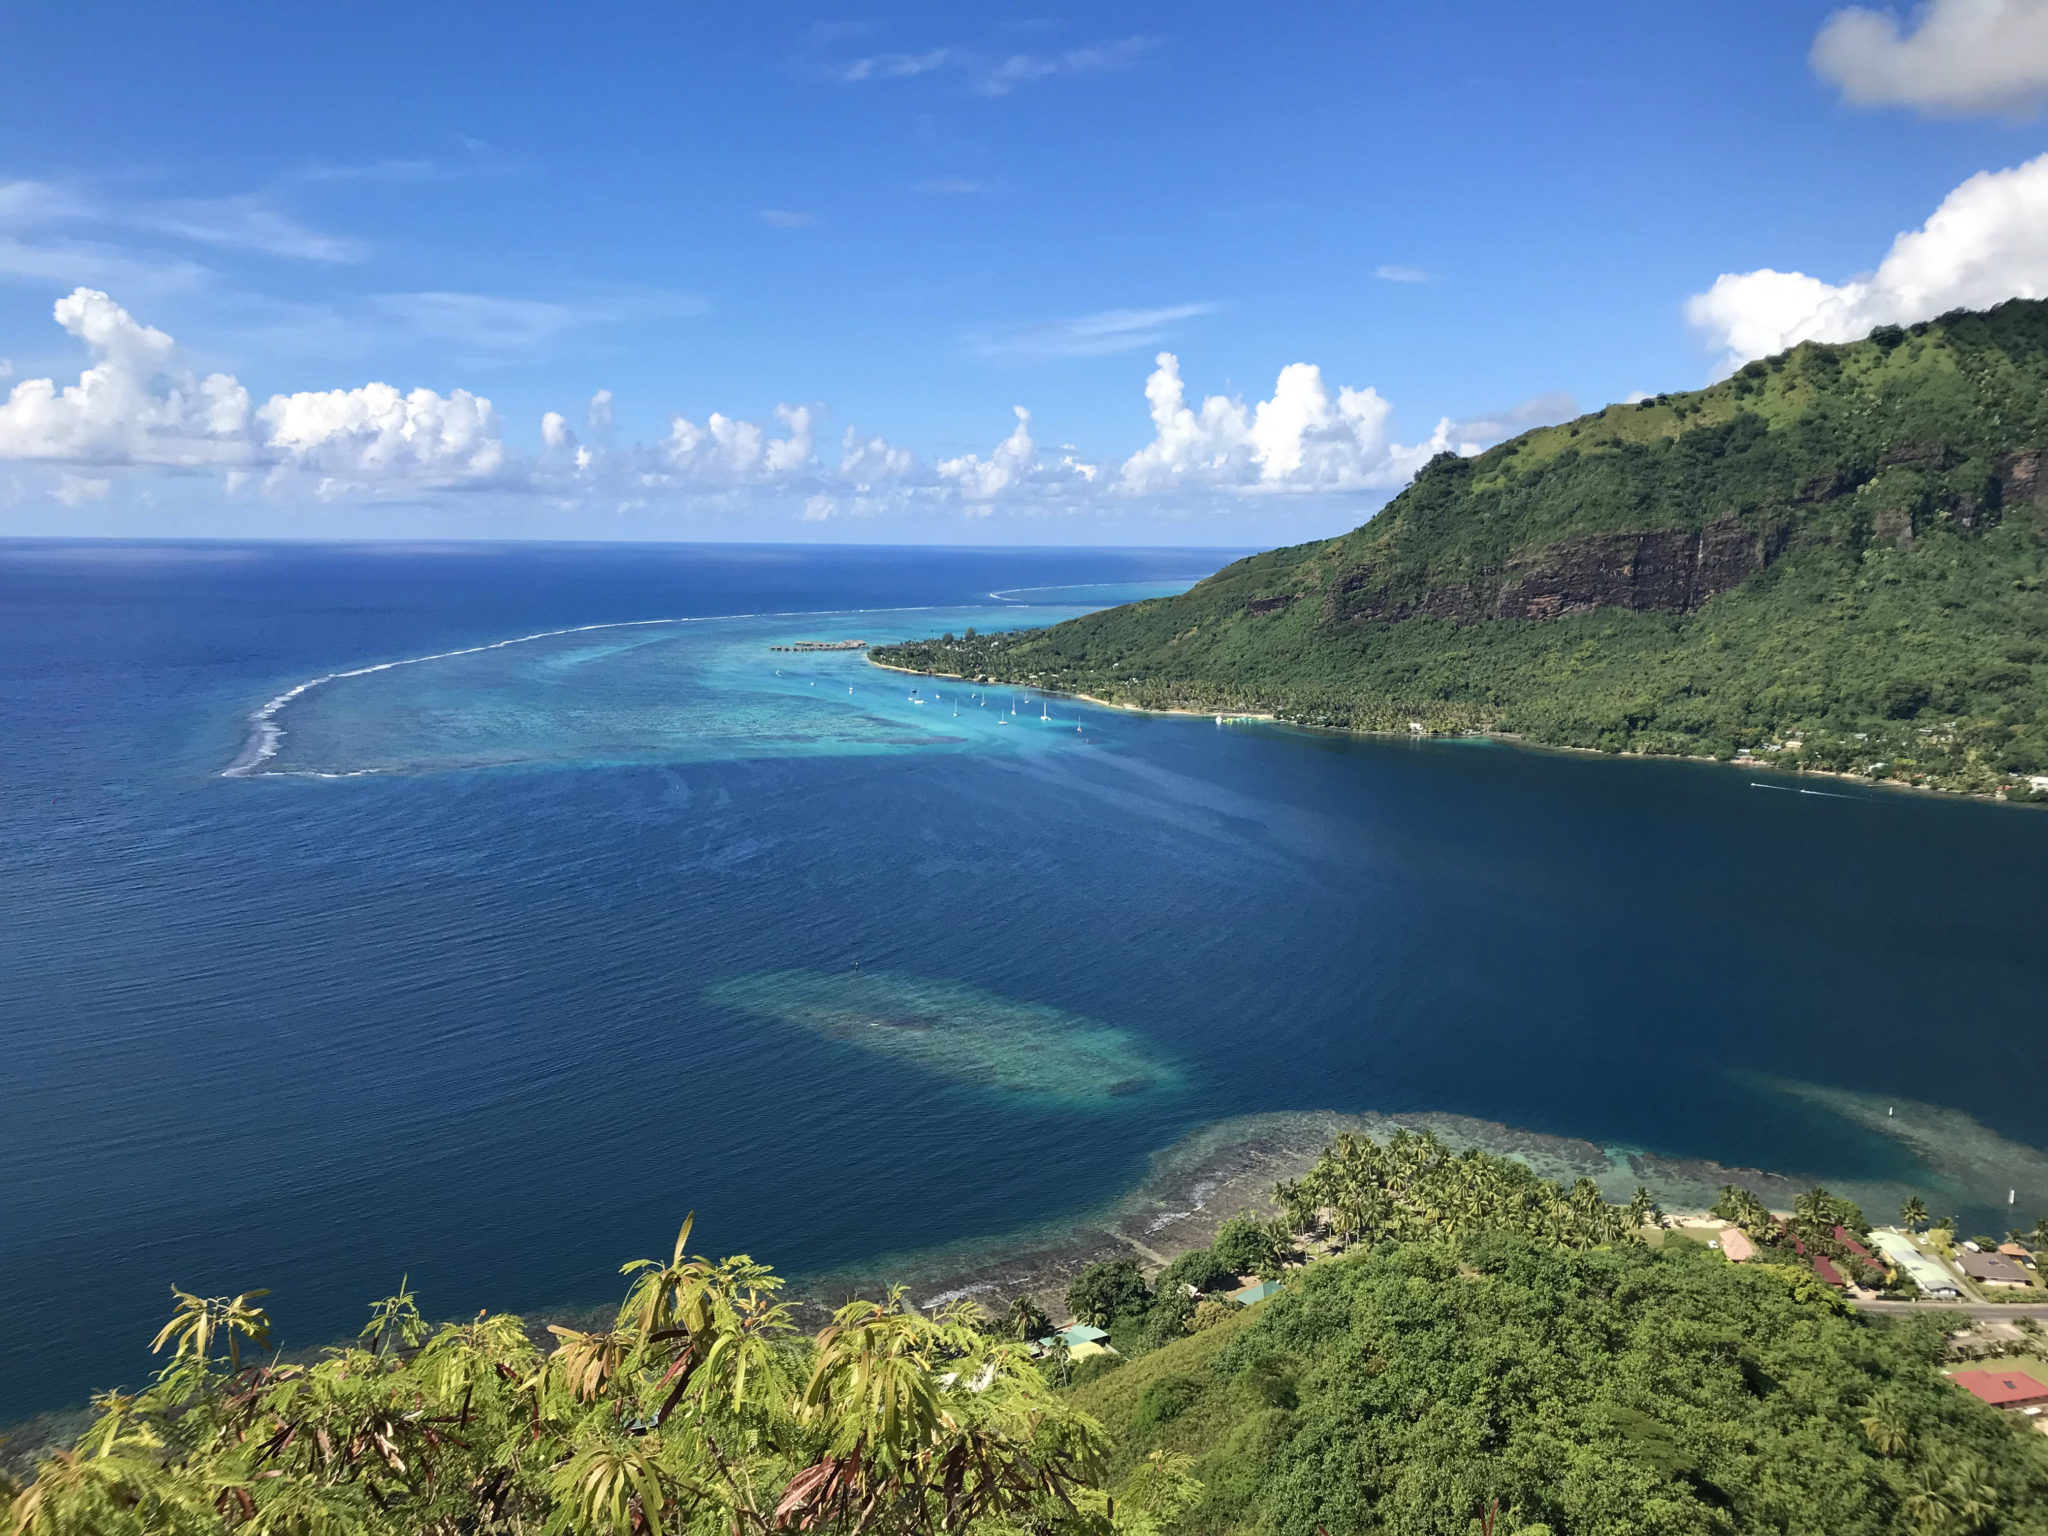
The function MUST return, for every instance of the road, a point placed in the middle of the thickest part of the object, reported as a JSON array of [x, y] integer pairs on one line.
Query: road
[[1966, 1308]]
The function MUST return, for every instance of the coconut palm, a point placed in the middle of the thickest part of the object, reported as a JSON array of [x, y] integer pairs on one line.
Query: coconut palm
[[1913, 1214], [1885, 1426], [1026, 1320]]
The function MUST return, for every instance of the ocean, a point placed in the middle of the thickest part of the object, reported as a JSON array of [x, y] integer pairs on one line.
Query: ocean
[[485, 963]]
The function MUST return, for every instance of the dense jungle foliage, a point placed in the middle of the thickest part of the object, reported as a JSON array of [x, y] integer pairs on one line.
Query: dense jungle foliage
[[1837, 559], [1492, 1381], [1494, 1353]]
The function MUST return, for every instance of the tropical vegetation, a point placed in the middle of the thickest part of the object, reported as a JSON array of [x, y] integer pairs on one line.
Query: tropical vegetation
[[1837, 559], [1485, 1350], [699, 1409], [1491, 1380]]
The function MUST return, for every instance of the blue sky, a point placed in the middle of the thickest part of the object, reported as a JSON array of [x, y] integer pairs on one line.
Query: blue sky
[[910, 221]]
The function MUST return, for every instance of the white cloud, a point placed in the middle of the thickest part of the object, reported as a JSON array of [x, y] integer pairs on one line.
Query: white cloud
[[895, 66], [949, 186], [1390, 273], [377, 432], [1988, 241], [137, 404], [76, 490], [248, 224], [865, 461], [132, 405], [1013, 459], [788, 218], [1299, 440], [990, 74], [1096, 335], [1958, 57], [728, 452]]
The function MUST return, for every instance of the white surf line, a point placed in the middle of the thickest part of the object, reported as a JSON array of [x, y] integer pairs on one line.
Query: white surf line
[[266, 735], [1082, 586]]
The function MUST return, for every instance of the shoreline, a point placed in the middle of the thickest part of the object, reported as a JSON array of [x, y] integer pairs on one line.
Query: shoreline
[[1505, 738], [1209, 1174]]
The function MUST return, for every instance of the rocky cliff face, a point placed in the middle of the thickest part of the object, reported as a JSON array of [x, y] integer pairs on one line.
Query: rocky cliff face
[[1671, 570]]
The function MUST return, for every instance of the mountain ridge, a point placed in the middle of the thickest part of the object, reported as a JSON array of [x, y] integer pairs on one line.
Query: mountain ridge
[[1835, 557]]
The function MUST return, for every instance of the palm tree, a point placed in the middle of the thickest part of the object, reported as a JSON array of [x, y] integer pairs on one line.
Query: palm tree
[[1885, 1425], [1913, 1214], [1928, 1504], [1027, 1320]]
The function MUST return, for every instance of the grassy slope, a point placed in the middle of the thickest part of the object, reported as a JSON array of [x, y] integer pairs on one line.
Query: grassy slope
[[1609, 1392], [1905, 624]]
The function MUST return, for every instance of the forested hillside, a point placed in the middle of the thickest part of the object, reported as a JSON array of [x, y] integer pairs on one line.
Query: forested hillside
[[1837, 558]]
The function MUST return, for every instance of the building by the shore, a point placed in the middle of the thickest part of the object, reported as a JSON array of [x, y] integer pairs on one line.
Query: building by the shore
[[1917, 1266]]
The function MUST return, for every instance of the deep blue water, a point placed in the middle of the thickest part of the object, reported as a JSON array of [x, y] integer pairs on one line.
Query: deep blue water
[[312, 1032]]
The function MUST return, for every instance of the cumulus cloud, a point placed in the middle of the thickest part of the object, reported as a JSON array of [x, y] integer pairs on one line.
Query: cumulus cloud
[[1988, 241], [1096, 335], [1957, 57], [866, 461], [138, 404], [1301, 439], [728, 452], [134, 404], [377, 432]]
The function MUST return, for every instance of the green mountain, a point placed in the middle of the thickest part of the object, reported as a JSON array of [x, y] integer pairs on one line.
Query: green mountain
[[1835, 558]]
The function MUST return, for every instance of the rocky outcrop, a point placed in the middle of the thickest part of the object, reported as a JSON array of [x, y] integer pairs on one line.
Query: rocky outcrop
[[1671, 570], [1260, 605]]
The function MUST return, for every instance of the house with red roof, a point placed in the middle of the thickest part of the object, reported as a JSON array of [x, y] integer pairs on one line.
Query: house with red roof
[[2002, 1389]]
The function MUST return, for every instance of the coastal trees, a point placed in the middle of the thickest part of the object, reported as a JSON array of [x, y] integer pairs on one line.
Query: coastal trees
[[1414, 1187], [1102, 1293], [1246, 1246], [700, 1409], [1026, 1320], [1913, 1214]]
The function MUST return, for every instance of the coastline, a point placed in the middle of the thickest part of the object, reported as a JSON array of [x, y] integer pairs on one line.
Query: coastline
[[1195, 1184], [1504, 738], [1218, 1169]]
